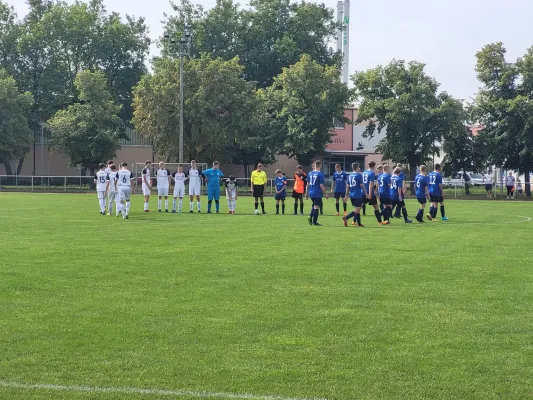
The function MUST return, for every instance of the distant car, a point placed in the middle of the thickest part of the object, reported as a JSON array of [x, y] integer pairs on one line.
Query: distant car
[[461, 177]]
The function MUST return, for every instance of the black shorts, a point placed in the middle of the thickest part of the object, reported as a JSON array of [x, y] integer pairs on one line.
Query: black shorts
[[339, 195], [317, 201], [281, 196], [488, 188], [297, 196], [259, 190], [357, 202], [373, 201], [398, 203], [386, 201], [422, 200], [436, 199]]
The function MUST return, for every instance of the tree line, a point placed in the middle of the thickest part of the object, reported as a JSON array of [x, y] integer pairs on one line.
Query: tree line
[[259, 81]]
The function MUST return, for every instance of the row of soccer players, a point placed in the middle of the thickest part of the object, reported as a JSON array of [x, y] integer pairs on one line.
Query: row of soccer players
[[365, 188]]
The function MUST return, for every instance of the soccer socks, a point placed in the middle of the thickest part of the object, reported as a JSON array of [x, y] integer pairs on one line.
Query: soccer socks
[[102, 205], [191, 205], [217, 205], [296, 207], [180, 205], [283, 208], [277, 208], [302, 207], [420, 214], [198, 204], [166, 204], [442, 213], [145, 205], [349, 216], [312, 212], [159, 204], [321, 209], [229, 204], [209, 202], [378, 215], [434, 215], [344, 206], [404, 213], [256, 205], [358, 219], [315, 215], [128, 208], [263, 206], [337, 207]]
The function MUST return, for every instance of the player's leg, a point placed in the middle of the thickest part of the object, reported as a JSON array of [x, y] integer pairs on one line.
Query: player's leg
[[283, 205], [295, 197], [374, 203], [217, 200], [351, 215], [181, 194], [337, 203], [443, 216], [262, 202], [128, 204], [230, 202], [301, 204], [174, 201], [317, 203], [210, 195], [277, 204], [191, 200], [256, 202], [198, 205]]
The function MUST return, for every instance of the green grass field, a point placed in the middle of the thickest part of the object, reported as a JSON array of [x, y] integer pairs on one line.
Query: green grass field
[[263, 307]]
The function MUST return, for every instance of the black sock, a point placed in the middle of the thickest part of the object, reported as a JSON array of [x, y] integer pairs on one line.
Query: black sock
[[404, 212], [434, 212], [302, 207], [381, 207], [378, 215], [255, 205], [442, 214], [420, 214], [344, 206], [387, 212], [364, 209], [296, 208], [321, 209], [337, 206], [283, 208], [351, 215], [358, 218], [315, 216], [277, 208], [263, 206]]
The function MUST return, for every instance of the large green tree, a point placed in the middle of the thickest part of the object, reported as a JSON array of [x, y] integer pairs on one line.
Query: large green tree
[[219, 109], [463, 151], [9, 34], [267, 36], [403, 100], [504, 106], [303, 102], [88, 132], [15, 134]]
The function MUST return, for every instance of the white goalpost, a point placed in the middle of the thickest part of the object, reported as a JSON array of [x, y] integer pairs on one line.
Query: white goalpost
[[171, 167]]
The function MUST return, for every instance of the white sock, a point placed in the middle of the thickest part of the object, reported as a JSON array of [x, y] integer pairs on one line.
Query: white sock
[[122, 208], [199, 208], [159, 204], [127, 208], [166, 204], [174, 204], [234, 205], [180, 204], [229, 204], [145, 205], [117, 205], [191, 205], [101, 202]]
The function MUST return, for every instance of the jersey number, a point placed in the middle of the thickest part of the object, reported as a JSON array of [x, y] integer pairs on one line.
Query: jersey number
[[394, 185], [353, 181], [102, 179], [124, 179], [365, 178], [381, 182], [432, 180], [418, 184], [312, 180]]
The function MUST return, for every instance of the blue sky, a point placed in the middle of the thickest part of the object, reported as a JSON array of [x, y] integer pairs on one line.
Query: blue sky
[[445, 34]]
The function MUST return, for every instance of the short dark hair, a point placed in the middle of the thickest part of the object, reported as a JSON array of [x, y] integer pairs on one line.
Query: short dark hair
[[318, 163], [113, 167], [147, 162], [299, 167], [124, 164], [371, 164], [355, 165], [101, 165], [110, 162], [216, 163], [437, 167], [231, 178]]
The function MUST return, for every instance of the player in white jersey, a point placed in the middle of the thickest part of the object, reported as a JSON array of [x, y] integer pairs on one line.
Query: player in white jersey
[[100, 179], [163, 184], [179, 188], [231, 194], [112, 195], [195, 186], [109, 163], [146, 184], [124, 187]]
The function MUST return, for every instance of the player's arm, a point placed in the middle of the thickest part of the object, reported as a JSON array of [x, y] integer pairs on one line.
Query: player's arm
[[306, 190], [332, 185], [364, 189], [107, 185], [324, 192]]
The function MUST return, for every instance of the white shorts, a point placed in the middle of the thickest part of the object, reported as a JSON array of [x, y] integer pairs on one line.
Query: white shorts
[[179, 192], [112, 196], [124, 194], [195, 190], [146, 190], [101, 195], [231, 194], [162, 191]]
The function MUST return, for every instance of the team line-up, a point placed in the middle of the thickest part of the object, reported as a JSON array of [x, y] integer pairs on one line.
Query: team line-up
[[361, 188]]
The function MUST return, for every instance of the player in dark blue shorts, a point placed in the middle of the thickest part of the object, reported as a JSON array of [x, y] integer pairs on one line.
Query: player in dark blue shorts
[[338, 187], [396, 194], [398, 212], [384, 183], [315, 190], [356, 190], [281, 191], [369, 176], [436, 195], [421, 187]]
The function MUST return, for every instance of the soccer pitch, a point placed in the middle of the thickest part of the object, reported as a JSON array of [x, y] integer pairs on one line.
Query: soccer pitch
[[189, 306]]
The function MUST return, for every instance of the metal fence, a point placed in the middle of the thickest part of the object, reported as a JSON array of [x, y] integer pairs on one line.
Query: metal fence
[[85, 184]]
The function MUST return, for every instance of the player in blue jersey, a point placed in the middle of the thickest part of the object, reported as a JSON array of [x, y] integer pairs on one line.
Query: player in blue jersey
[[281, 191], [356, 190], [369, 176], [421, 187], [436, 195], [338, 187], [397, 194], [315, 190], [213, 177], [398, 212], [384, 183], [379, 172]]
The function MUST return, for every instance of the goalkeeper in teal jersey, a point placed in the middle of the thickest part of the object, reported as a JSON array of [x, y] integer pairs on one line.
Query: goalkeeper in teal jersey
[[213, 177]]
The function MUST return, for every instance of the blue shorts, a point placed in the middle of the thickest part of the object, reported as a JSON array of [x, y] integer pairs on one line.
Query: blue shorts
[[281, 196], [339, 195], [436, 199], [213, 193], [385, 200], [357, 203], [422, 200], [317, 201]]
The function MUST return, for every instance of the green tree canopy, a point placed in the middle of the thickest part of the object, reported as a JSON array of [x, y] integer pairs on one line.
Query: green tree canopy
[[303, 101], [405, 101], [15, 134], [88, 132]]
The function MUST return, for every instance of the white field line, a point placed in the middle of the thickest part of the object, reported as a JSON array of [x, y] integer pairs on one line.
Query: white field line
[[141, 391]]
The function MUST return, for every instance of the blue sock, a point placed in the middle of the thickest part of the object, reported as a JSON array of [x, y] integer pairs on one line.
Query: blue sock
[[217, 205], [312, 212], [420, 212], [442, 213], [351, 215], [431, 211], [315, 215], [358, 218], [209, 205]]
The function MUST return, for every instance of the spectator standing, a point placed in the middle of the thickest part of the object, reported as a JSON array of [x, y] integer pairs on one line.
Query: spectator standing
[[509, 183], [488, 181]]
